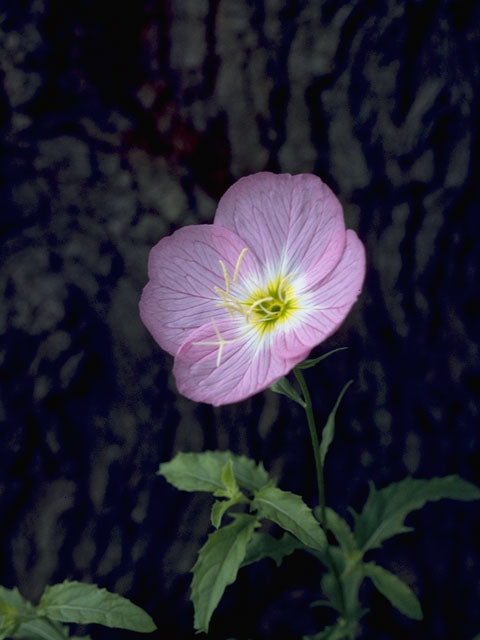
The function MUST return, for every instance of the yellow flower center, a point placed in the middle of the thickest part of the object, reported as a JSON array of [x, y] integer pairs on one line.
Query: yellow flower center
[[265, 306], [270, 305]]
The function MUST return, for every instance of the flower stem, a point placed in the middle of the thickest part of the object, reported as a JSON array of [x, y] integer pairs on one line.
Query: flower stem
[[315, 443], [320, 480]]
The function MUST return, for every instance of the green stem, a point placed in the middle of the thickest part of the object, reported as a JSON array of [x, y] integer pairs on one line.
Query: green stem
[[315, 443], [320, 478]]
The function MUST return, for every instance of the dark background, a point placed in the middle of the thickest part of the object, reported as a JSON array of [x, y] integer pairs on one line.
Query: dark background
[[121, 122]]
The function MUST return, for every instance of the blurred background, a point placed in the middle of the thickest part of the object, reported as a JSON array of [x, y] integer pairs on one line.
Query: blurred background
[[121, 122]]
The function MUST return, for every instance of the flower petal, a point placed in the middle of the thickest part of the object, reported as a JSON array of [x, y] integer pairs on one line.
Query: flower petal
[[247, 364], [327, 304], [292, 223], [184, 269]]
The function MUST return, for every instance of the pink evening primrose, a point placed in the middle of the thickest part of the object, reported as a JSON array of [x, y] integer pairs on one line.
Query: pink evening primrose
[[240, 302]]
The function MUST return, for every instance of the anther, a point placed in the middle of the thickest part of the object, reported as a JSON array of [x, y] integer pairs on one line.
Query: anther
[[281, 289]]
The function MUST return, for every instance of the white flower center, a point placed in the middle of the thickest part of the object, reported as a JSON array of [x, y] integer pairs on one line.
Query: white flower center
[[262, 307]]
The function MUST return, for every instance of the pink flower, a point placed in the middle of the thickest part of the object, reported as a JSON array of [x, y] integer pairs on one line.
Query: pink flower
[[241, 301]]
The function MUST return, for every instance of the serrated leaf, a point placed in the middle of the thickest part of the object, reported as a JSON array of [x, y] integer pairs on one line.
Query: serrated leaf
[[351, 585], [13, 607], [307, 364], [351, 582], [230, 486], [83, 603], [228, 478], [15, 599], [289, 511], [217, 566], [203, 471], [331, 589], [218, 509], [249, 474], [329, 429], [284, 388], [385, 510], [220, 506], [194, 472], [43, 629], [397, 592], [341, 530], [263, 545]]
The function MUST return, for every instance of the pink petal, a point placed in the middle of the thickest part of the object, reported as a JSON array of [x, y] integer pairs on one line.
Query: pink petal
[[292, 223], [183, 269], [327, 304], [247, 364]]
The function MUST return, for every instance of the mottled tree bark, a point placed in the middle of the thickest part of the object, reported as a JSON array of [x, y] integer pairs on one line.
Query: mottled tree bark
[[119, 125]]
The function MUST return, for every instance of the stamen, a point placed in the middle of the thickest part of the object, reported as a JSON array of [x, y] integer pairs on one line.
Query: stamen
[[220, 343], [276, 305], [281, 290], [256, 304], [226, 276], [267, 311], [225, 301], [259, 302], [237, 266], [219, 354], [228, 301], [217, 330]]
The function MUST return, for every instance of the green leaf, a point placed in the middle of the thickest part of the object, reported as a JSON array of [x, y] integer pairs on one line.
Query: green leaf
[[194, 472], [329, 429], [342, 532], [263, 545], [231, 491], [307, 364], [14, 598], [351, 580], [399, 594], [284, 388], [228, 478], [330, 589], [86, 603], [43, 629], [351, 585], [220, 506], [9, 620], [217, 566], [290, 512], [385, 510], [342, 629], [230, 486], [203, 471], [13, 607], [218, 509]]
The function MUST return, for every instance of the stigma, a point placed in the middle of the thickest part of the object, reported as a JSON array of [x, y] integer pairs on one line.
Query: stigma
[[262, 307]]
